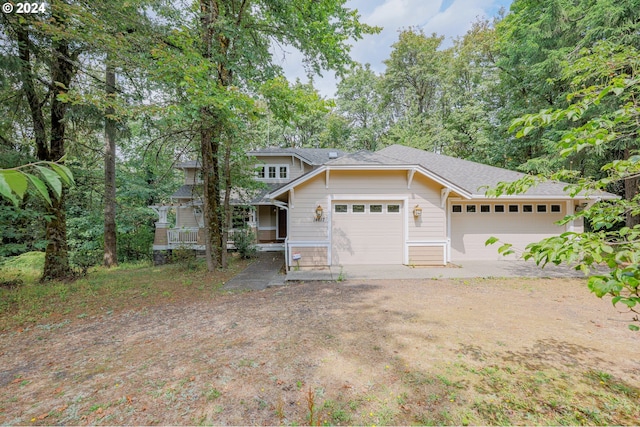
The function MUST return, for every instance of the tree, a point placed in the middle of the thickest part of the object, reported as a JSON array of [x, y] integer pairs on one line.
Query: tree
[[606, 74], [229, 58], [14, 182], [359, 100]]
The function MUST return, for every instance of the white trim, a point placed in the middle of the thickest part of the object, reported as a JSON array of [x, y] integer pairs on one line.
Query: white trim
[[410, 174], [448, 227], [444, 194], [270, 228]]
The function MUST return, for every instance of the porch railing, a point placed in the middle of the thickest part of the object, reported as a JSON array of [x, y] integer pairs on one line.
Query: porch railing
[[177, 236]]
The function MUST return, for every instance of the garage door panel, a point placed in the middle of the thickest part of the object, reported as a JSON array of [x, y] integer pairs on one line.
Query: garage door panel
[[367, 238], [470, 231]]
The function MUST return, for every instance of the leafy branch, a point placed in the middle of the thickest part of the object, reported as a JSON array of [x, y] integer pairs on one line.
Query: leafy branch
[[14, 182]]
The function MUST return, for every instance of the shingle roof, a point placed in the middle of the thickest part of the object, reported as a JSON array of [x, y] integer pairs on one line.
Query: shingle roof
[[314, 156], [365, 158], [468, 175], [187, 192]]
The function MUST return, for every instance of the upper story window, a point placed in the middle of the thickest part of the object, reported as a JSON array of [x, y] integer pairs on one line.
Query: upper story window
[[272, 171]]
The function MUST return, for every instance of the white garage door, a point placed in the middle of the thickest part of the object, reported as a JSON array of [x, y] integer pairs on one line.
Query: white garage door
[[516, 223], [367, 232]]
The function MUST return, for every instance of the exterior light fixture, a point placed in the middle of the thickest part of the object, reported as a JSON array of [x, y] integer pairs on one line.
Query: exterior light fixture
[[417, 211], [319, 212]]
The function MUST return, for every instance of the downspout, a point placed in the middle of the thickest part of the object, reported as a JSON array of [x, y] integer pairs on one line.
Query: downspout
[[283, 205]]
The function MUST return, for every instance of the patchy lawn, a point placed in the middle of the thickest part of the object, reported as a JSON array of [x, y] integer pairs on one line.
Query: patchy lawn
[[464, 352]]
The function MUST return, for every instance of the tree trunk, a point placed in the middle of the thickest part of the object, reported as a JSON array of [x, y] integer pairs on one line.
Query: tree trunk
[[110, 258], [56, 262], [226, 207], [211, 181]]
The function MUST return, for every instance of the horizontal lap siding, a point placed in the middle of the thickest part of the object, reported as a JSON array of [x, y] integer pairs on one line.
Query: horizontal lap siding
[[310, 257], [431, 224], [426, 255]]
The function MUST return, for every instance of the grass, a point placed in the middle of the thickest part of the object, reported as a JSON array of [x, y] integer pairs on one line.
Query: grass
[[27, 302]]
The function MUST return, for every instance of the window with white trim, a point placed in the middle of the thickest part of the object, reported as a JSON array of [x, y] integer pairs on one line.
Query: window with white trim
[[527, 208], [340, 208], [541, 208], [556, 208], [393, 208], [471, 208], [269, 172], [357, 208], [485, 208], [498, 208], [375, 208], [456, 208]]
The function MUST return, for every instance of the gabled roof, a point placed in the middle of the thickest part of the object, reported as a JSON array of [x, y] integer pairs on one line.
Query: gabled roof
[[465, 177], [312, 156], [471, 176]]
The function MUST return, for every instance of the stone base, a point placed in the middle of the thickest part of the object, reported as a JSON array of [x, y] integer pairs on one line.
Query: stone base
[[162, 257]]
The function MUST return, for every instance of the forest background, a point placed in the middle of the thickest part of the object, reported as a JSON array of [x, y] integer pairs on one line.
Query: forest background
[[124, 90]]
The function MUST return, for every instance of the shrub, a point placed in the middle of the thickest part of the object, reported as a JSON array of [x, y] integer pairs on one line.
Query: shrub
[[244, 240]]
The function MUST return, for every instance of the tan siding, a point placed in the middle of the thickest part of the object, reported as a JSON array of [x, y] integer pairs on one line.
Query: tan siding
[[431, 224], [186, 218], [266, 235], [310, 257], [266, 217], [426, 255], [190, 176]]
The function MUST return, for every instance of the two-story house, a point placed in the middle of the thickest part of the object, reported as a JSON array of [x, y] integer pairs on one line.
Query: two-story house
[[274, 167]]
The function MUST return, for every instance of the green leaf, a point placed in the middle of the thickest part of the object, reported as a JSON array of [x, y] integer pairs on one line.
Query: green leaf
[[16, 181], [634, 328], [64, 173], [5, 190], [42, 189], [52, 179], [491, 241]]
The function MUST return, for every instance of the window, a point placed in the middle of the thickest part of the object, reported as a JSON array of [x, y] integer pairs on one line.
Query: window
[[485, 208], [498, 208], [340, 208], [555, 208], [375, 208], [456, 208], [357, 208], [527, 208], [513, 208], [272, 171], [393, 208], [541, 208], [471, 208]]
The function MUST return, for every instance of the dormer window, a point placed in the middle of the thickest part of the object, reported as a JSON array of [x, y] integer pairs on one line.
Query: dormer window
[[269, 172]]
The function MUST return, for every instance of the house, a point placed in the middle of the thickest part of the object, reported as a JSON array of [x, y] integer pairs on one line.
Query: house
[[274, 168], [398, 205]]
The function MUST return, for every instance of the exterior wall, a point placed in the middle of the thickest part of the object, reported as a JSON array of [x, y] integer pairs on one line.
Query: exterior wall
[[296, 166], [426, 255], [191, 176], [266, 230], [470, 230], [186, 217], [310, 257], [427, 230]]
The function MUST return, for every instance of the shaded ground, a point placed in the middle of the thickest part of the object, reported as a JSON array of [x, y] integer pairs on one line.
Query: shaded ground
[[355, 352]]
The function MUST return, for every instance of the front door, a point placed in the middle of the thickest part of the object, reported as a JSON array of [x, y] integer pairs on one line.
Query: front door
[[282, 224]]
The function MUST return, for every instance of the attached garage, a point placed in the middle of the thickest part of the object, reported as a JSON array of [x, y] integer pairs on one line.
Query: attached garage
[[367, 232], [518, 223]]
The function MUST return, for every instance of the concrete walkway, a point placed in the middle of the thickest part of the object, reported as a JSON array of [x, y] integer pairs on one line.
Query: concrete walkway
[[260, 274], [468, 269]]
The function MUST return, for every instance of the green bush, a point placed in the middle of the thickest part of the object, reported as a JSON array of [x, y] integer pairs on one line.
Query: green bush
[[244, 240]]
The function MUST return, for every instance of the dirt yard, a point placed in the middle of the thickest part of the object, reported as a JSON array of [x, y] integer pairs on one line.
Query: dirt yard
[[375, 352]]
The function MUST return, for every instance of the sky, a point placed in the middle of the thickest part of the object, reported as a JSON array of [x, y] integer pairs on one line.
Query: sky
[[451, 18]]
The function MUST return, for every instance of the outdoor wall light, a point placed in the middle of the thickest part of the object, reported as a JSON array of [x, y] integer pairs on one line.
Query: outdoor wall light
[[417, 211], [319, 212]]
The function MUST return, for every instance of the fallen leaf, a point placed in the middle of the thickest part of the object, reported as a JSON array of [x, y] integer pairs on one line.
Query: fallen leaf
[[99, 410], [58, 390], [192, 379], [43, 416], [63, 408], [129, 400]]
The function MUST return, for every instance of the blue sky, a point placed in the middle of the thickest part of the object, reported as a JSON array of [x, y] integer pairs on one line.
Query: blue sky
[[451, 18]]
